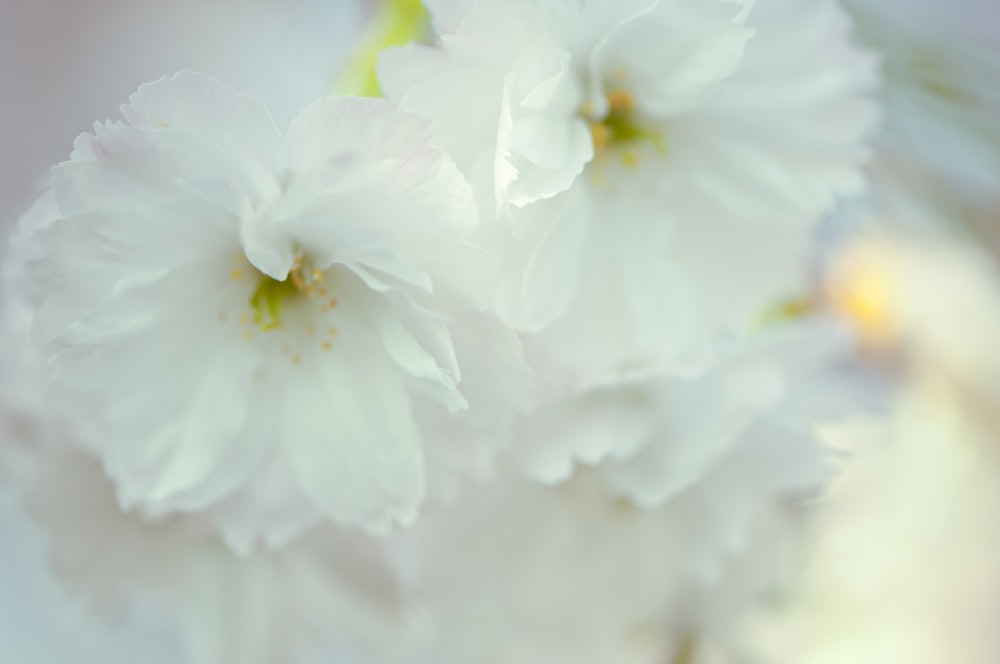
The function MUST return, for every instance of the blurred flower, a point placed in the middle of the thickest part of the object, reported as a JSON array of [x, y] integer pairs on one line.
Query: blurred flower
[[331, 589], [677, 521], [250, 325], [903, 566], [655, 435], [662, 165], [574, 574]]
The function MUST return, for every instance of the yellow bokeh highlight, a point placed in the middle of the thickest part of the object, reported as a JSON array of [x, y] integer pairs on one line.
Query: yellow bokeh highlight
[[862, 288]]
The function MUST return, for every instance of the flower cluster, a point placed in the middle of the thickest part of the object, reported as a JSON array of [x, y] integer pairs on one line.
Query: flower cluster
[[524, 362]]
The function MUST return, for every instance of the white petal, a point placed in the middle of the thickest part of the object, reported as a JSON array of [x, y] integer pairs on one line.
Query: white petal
[[377, 479], [197, 104]]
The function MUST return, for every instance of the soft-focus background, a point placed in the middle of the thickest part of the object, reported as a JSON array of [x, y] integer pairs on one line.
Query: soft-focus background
[[65, 64]]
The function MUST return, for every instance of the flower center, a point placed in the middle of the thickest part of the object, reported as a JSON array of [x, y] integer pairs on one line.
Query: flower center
[[620, 131], [278, 305], [270, 296]]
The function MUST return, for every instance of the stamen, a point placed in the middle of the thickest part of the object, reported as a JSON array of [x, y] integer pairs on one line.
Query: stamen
[[269, 297], [601, 135], [621, 127], [620, 101]]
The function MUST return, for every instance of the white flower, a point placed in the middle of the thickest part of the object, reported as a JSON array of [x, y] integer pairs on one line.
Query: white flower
[[331, 589], [656, 435], [662, 164], [517, 572], [263, 327], [672, 508]]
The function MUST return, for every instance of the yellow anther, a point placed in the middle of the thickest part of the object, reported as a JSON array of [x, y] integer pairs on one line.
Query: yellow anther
[[310, 330], [601, 135], [621, 127], [236, 274], [244, 319], [620, 101], [327, 345], [333, 331], [296, 276], [333, 302], [269, 297], [296, 359]]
